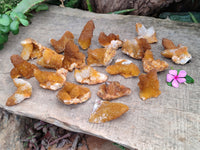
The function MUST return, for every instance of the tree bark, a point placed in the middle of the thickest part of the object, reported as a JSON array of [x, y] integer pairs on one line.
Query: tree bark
[[142, 7]]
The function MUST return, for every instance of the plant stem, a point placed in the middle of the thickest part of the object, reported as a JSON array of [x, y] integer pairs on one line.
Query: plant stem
[[89, 5], [75, 143], [193, 17], [122, 11]]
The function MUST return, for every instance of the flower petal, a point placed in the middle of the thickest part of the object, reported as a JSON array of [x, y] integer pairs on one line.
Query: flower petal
[[169, 77], [181, 80], [173, 72], [175, 83], [182, 73]]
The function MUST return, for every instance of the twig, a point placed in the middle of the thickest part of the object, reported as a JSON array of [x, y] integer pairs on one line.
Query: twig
[[85, 142], [62, 3], [58, 139], [75, 143]]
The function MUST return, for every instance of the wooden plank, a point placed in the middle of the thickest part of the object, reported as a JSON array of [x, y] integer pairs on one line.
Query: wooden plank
[[171, 121]]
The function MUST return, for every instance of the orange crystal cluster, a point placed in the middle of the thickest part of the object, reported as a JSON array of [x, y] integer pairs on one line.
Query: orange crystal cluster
[[149, 85], [112, 90], [100, 56], [135, 48], [51, 80], [105, 40], [104, 111], [50, 59], [96, 57], [179, 54], [104, 56], [148, 34], [59, 45], [22, 68], [73, 94], [24, 90], [31, 49], [123, 67], [86, 35], [149, 63], [72, 57], [88, 75]]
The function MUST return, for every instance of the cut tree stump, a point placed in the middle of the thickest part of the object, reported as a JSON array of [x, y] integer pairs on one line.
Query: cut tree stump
[[142, 7]]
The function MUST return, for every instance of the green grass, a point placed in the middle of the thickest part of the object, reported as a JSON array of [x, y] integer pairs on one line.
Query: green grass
[[89, 5], [7, 5], [122, 11], [193, 17]]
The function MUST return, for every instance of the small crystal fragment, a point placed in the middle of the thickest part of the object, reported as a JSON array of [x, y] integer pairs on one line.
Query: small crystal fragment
[[112, 90], [135, 48], [179, 54], [123, 67], [104, 111], [51, 80], [148, 34], [31, 49], [86, 35], [24, 90], [149, 85], [14, 73], [72, 57], [88, 75], [73, 94], [59, 45], [168, 44], [21, 67], [105, 40], [149, 63], [100, 56], [50, 59]]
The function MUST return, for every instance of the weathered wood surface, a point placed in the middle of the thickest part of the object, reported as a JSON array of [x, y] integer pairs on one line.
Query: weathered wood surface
[[171, 121]]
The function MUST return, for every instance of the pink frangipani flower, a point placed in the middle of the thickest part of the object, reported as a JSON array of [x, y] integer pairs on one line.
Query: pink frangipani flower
[[176, 78]]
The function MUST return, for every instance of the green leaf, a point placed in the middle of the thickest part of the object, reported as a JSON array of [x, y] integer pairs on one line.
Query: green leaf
[[119, 146], [21, 15], [13, 15], [122, 11], [5, 20], [33, 8], [8, 6], [24, 22], [193, 18], [3, 38], [17, 15], [15, 32], [1, 46], [25, 5], [42, 7], [4, 29], [178, 70], [14, 27], [8, 12], [72, 3], [89, 5], [189, 79], [169, 83]]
